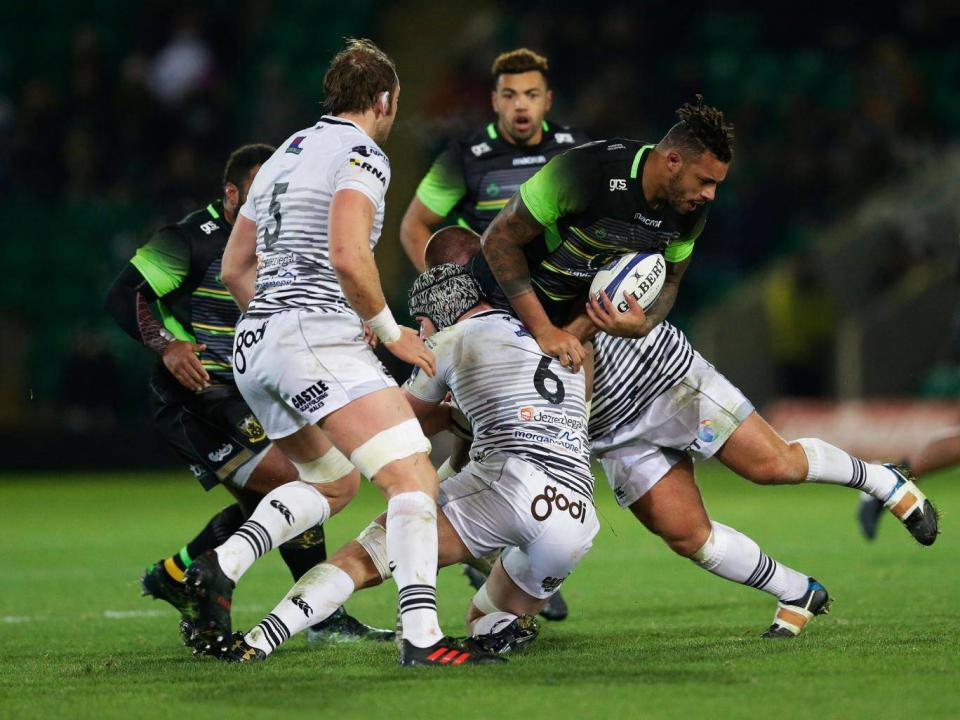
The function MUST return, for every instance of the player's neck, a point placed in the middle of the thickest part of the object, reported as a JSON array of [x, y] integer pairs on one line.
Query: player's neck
[[652, 179], [366, 121], [229, 213], [475, 310]]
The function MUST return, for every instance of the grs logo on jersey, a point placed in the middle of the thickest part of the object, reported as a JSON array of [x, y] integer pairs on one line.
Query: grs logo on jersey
[[368, 151], [294, 147], [618, 184], [209, 227], [562, 138], [530, 160], [480, 149], [364, 165]]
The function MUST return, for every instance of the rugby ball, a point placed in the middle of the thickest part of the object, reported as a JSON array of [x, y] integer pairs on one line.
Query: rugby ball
[[640, 274]]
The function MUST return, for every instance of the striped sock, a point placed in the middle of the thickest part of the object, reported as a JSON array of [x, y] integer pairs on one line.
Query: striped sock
[[734, 556], [283, 514], [412, 546], [314, 598], [831, 465]]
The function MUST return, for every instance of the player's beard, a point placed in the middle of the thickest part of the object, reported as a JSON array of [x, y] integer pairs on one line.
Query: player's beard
[[676, 197]]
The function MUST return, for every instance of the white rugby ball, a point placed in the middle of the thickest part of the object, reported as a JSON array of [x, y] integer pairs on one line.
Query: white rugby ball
[[639, 274]]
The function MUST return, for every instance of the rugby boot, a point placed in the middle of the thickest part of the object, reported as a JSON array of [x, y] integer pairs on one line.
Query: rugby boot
[[212, 592], [793, 615], [342, 627], [911, 506], [474, 577], [556, 608], [515, 636], [236, 650], [156, 583], [447, 652], [869, 512]]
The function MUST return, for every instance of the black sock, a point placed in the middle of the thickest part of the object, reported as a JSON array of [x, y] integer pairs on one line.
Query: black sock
[[221, 526], [303, 552]]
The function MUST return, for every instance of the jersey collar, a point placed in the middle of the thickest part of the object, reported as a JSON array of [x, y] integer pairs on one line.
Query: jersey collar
[[331, 120]]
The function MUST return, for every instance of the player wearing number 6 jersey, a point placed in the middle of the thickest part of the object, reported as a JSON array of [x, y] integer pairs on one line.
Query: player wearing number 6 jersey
[[300, 264], [527, 489]]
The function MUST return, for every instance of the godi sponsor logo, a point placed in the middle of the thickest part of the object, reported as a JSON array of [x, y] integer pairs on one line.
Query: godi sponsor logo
[[707, 432], [532, 414], [543, 504], [312, 398], [244, 341]]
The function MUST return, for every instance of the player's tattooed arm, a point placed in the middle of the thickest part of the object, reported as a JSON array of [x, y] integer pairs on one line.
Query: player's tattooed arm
[[502, 243], [128, 302], [152, 332], [661, 307]]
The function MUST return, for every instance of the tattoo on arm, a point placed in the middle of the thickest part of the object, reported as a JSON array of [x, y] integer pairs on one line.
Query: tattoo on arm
[[502, 245], [658, 312], [151, 331]]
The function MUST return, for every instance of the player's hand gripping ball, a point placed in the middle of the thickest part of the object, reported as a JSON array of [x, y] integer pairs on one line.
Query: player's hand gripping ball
[[639, 274]]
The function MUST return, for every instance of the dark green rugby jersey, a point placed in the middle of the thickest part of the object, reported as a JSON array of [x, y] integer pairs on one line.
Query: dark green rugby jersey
[[181, 263], [474, 178], [590, 201]]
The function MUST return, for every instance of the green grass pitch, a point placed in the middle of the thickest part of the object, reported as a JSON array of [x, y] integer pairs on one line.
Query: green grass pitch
[[650, 635]]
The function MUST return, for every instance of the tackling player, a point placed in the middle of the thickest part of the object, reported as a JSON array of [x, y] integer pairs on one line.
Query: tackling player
[[527, 489], [473, 179], [300, 264], [197, 407]]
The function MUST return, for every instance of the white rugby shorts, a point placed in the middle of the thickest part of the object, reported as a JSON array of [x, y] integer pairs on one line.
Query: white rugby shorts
[[696, 416], [545, 527], [294, 368]]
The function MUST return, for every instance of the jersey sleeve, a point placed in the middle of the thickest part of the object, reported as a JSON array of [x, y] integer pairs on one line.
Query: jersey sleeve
[[434, 389], [561, 187], [364, 168], [682, 248], [443, 186], [164, 261]]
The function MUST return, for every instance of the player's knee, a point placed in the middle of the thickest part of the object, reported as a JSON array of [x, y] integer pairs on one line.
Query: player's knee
[[686, 540], [377, 458], [364, 559]]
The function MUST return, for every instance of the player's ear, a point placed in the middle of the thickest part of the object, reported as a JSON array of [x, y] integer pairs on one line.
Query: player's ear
[[549, 100], [674, 161], [231, 194], [383, 103]]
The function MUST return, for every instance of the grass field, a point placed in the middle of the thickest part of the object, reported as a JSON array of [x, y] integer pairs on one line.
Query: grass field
[[650, 635]]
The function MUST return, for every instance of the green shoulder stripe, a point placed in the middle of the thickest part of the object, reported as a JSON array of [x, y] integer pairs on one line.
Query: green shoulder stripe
[[164, 262], [443, 186]]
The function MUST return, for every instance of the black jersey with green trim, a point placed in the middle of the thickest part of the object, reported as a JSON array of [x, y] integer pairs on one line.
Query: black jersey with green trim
[[590, 201], [181, 263], [475, 178]]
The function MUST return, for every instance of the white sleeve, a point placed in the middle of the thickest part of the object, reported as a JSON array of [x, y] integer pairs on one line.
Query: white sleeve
[[433, 389], [364, 168], [248, 209]]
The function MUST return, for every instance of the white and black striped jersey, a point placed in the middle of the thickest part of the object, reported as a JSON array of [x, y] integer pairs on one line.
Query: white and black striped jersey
[[290, 202], [629, 373], [519, 401]]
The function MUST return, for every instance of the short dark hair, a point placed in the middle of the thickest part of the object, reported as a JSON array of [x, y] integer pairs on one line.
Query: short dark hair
[[701, 128], [453, 244], [243, 160], [357, 76], [518, 61]]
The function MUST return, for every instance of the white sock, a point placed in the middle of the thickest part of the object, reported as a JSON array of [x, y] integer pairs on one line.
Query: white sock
[[412, 554], [829, 464], [283, 514], [314, 598], [734, 556]]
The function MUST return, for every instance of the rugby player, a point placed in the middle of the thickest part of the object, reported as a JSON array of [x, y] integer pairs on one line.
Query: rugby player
[[527, 489], [300, 264], [196, 405], [594, 200], [472, 180]]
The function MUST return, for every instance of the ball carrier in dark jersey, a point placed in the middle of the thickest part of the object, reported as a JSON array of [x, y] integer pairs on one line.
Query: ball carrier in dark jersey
[[196, 405], [590, 204], [474, 178]]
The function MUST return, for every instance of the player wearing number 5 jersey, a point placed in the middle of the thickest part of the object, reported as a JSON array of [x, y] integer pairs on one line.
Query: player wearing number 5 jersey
[[300, 264], [527, 489]]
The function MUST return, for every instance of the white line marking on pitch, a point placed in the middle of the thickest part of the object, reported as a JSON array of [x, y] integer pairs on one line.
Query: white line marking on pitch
[[107, 614]]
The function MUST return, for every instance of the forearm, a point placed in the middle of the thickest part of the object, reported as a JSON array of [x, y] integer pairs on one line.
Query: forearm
[[661, 307], [238, 269], [241, 285], [414, 234], [582, 327], [128, 302], [360, 281]]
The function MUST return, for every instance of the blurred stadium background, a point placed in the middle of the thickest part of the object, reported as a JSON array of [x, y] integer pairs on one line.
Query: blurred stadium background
[[828, 269]]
